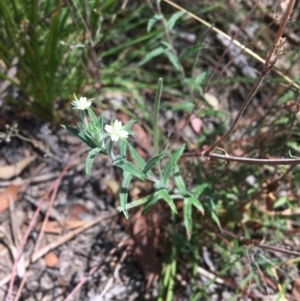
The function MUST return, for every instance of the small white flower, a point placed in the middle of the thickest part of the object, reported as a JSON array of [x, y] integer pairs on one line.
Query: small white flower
[[81, 104], [115, 132]]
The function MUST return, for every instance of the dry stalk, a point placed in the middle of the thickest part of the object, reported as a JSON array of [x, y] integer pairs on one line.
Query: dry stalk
[[276, 52]]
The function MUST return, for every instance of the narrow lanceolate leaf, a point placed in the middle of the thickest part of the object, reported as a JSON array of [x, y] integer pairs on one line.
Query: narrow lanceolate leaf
[[82, 135], [123, 143], [187, 215], [100, 121], [197, 204], [129, 124], [171, 22], [200, 78], [89, 160], [122, 147], [199, 189], [173, 60], [138, 159], [152, 21], [133, 204], [151, 200], [153, 161], [156, 52], [124, 192], [53, 41], [163, 193], [171, 163], [178, 179], [129, 167], [93, 117], [213, 212]]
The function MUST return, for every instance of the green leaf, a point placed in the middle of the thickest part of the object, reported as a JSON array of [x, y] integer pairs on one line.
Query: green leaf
[[290, 154], [52, 41], [167, 45], [164, 194], [290, 94], [281, 201], [82, 135], [186, 106], [89, 160], [171, 163], [108, 6], [151, 200], [153, 161], [152, 21], [122, 147], [199, 189], [173, 60], [282, 120], [178, 179], [138, 159], [128, 125], [171, 22], [100, 122], [129, 167], [124, 192], [197, 204], [294, 145], [93, 117], [187, 214], [156, 52], [190, 51], [200, 78], [213, 212], [133, 204]]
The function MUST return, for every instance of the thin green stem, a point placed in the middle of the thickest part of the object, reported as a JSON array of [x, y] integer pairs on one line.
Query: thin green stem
[[84, 120], [155, 121], [110, 150]]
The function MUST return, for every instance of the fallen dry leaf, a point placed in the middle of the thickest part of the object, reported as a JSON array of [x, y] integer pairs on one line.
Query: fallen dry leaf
[[212, 100], [9, 171], [11, 192], [76, 211], [196, 124]]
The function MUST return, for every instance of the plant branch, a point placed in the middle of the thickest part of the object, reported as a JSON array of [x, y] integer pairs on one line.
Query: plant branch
[[255, 161], [269, 64]]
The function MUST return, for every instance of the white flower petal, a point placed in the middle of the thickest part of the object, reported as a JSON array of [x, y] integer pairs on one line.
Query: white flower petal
[[123, 134], [118, 125], [115, 131], [109, 128], [114, 137], [82, 103]]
